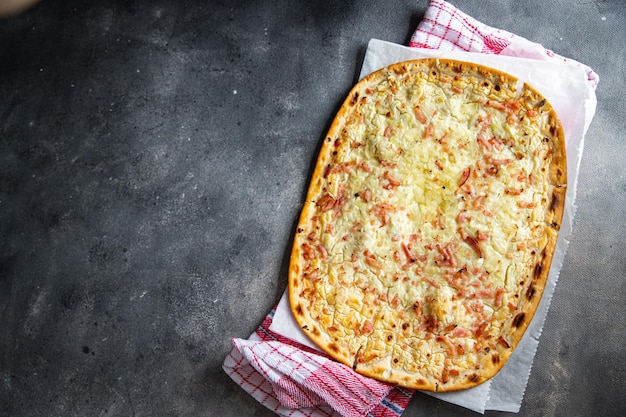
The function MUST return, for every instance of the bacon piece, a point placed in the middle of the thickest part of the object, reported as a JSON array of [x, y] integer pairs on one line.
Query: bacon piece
[[308, 252], [450, 327], [478, 331], [419, 115], [439, 164], [469, 189], [465, 176], [365, 195], [497, 302], [485, 294], [525, 204], [431, 324], [344, 167], [326, 202], [446, 256], [395, 301], [323, 251], [479, 202], [364, 167], [388, 164], [388, 131], [474, 245], [498, 162], [448, 343], [496, 143], [312, 274], [328, 170], [485, 143], [396, 257], [503, 341], [513, 191], [342, 197], [391, 181], [495, 105], [457, 90], [407, 253], [431, 282], [371, 260], [460, 332], [368, 327], [428, 132], [381, 210], [484, 122]]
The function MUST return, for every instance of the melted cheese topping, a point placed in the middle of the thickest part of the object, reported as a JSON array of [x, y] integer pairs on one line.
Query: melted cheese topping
[[430, 217]]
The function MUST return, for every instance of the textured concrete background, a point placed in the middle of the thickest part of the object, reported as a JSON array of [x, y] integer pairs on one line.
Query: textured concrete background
[[153, 159]]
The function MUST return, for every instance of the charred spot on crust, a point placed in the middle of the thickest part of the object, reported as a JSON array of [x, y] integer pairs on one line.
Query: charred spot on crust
[[553, 130], [530, 292], [495, 358], [316, 331], [555, 200], [503, 341], [401, 69], [356, 358], [333, 347], [473, 378], [519, 319], [355, 98], [299, 310], [538, 270]]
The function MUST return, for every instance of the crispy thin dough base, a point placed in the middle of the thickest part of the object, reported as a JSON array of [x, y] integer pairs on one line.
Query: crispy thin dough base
[[519, 320]]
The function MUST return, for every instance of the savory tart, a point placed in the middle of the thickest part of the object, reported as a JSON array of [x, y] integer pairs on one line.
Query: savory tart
[[430, 222]]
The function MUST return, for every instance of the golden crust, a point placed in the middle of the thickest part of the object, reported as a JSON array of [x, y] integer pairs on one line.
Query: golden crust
[[450, 317]]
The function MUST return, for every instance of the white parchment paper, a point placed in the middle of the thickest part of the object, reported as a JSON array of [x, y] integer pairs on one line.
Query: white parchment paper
[[565, 85]]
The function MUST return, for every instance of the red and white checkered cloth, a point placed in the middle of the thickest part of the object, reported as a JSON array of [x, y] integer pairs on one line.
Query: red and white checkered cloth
[[446, 27], [292, 379]]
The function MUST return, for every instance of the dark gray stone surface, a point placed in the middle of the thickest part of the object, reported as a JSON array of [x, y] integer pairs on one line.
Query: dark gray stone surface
[[153, 159]]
